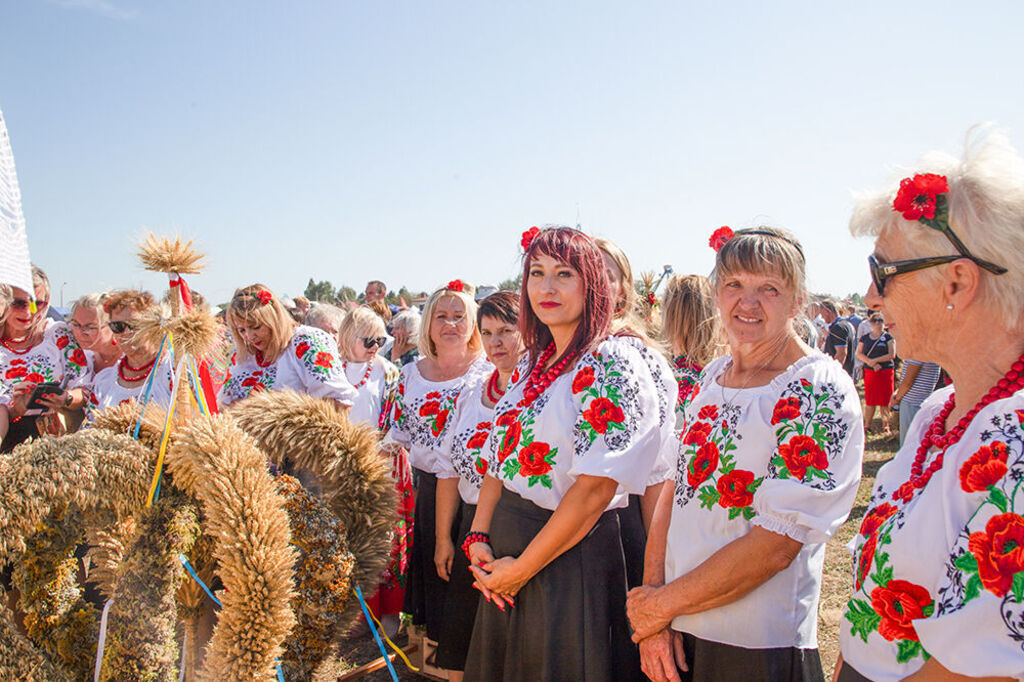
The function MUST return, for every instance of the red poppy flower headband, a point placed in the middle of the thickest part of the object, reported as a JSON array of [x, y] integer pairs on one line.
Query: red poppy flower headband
[[528, 237], [455, 285], [923, 198], [719, 237], [723, 234], [263, 296]]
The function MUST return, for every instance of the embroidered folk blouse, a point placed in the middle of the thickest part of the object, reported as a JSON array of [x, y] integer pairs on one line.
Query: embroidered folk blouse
[[107, 391], [57, 358], [471, 424], [939, 571], [373, 399], [423, 411], [664, 380], [309, 364], [785, 456], [599, 419]]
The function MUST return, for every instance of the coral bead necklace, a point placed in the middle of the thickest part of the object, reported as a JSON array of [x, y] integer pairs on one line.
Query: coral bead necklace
[[936, 436], [366, 374], [494, 389], [539, 380], [7, 341], [141, 372]]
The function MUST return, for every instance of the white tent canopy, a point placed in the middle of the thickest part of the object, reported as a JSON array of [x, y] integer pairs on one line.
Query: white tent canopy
[[15, 268]]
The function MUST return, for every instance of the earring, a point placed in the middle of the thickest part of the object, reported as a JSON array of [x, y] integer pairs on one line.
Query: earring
[[949, 306]]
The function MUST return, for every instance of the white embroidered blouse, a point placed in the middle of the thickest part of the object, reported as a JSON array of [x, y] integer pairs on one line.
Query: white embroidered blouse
[[57, 358], [374, 393], [106, 391], [471, 424], [309, 364], [939, 571], [785, 456]]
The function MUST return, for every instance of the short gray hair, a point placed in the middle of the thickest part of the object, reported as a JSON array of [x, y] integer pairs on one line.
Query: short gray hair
[[93, 301], [324, 312], [409, 320]]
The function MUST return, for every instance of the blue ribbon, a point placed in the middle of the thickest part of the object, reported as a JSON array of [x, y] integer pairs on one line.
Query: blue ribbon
[[149, 388], [373, 629]]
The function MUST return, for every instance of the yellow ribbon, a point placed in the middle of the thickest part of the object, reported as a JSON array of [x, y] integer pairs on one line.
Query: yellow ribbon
[[167, 432], [397, 649]]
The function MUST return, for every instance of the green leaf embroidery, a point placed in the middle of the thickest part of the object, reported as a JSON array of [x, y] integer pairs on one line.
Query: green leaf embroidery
[[1018, 587], [966, 562], [907, 649], [734, 512], [748, 513], [863, 619], [708, 496], [998, 498], [973, 588], [511, 468], [882, 576]]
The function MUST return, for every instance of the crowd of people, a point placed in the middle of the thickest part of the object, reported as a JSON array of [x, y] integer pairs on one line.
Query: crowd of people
[[595, 486]]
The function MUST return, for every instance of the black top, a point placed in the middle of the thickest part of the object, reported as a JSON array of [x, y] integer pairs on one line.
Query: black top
[[841, 334], [876, 348]]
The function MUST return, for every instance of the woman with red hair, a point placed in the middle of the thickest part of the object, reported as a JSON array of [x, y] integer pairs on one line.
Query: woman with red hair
[[574, 434]]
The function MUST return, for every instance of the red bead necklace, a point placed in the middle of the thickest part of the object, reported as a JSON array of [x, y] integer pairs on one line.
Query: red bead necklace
[[366, 374], [937, 437], [539, 380], [494, 389], [7, 341], [258, 357], [122, 365]]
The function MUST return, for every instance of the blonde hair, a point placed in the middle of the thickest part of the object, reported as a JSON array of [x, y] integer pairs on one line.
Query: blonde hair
[[692, 326], [766, 251], [627, 303], [247, 308], [426, 344], [361, 322], [986, 211], [95, 302]]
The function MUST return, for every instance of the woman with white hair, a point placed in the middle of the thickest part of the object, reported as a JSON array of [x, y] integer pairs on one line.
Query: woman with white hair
[[938, 584], [89, 325], [326, 317], [450, 356], [405, 327]]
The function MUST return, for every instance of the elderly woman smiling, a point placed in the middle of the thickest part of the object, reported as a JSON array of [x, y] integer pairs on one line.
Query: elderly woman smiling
[[768, 470], [938, 589]]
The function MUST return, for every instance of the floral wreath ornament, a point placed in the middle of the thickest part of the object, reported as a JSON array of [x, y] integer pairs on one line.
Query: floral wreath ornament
[[263, 296], [528, 236], [455, 285], [719, 237], [923, 198]]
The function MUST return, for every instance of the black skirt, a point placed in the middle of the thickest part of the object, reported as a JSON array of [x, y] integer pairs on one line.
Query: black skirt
[[425, 591], [848, 674], [19, 432], [634, 540], [460, 604], [569, 621], [717, 662]]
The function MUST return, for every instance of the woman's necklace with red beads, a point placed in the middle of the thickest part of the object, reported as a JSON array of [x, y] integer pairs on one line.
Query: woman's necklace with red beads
[[539, 380], [494, 389], [366, 374], [258, 357], [141, 372], [937, 437], [7, 341]]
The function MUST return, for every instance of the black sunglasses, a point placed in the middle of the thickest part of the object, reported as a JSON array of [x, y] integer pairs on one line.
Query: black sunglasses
[[880, 272], [370, 342], [119, 326]]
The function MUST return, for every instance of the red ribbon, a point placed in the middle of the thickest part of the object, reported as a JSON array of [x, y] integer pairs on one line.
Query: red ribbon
[[186, 293]]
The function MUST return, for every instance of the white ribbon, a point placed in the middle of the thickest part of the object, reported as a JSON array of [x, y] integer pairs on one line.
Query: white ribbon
[[103, 640]]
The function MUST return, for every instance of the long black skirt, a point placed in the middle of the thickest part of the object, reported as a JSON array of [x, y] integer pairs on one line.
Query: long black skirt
[[425, 591], [460, 604], [717, 662], [569, 621], [634, 540], [848, 674]]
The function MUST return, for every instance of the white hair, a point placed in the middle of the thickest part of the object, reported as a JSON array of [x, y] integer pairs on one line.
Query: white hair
[[409, 320], [986, 211], [324, 312], [92, 301]]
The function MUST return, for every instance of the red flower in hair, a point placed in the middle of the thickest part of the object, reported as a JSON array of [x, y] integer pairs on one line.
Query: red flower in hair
[[455, 285], [264, 296], [652, 299], [916, 198], [528, 237], [719, 237]]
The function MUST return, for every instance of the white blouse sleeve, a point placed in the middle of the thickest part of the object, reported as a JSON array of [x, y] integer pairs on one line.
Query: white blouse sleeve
[[75, 362], [815, 468], [320, 367], [616, 434], [397, 431]]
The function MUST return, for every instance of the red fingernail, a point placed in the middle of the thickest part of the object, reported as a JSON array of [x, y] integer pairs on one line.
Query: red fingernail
[[498, 604]]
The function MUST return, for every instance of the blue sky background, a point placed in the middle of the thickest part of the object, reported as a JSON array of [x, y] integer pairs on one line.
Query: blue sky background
[[414, 141]]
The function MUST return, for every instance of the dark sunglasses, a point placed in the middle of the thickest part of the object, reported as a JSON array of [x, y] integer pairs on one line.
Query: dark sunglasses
[[877, 321], [119, 326], [23, 304], [370, 342], [880, 272]]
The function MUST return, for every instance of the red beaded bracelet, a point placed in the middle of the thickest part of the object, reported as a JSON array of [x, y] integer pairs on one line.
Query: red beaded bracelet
[[471, 538]]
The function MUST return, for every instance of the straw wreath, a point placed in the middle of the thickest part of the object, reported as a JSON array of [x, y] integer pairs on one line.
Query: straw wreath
[[163, 254]]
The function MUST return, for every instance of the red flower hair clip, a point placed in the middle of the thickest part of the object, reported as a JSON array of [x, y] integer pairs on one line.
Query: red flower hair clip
[[652, 300], [456, 285], [528, 237], [719, 237], [264, 296], [922, 198]]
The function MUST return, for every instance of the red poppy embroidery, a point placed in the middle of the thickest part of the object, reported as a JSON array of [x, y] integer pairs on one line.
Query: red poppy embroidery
[[785, 409], [401, 389], [507, 418], [301, 349], [433, 395], [583, 379], [439, 421], [477, 441], [805, 383], [801, 452], [697, 434], [733, 488], [430, 408], [15, 373], [509, 441], [62, 341], [514, 379], [78, 357], [531, 459], [905, 492], [601, 413], [984, 468], [703, 464], [916, 196], [481, 466], [708, 412], [867, 557], [324, 360], [35, 377], [999, 550], [249, 382], [899, 603], [874, 519]]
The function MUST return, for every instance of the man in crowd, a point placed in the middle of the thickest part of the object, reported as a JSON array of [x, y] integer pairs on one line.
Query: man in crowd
[[841, 342], [375, 291]]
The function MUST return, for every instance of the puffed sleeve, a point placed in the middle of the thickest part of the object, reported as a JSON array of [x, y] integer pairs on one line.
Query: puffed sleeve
[[397, 430], [977, 626], [320, 366], [616, 434], [75, 362], [815, 468]]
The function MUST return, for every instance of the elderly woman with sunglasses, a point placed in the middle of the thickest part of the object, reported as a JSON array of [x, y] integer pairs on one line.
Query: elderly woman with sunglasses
[[938, 584], [33, 352], [128, 378]]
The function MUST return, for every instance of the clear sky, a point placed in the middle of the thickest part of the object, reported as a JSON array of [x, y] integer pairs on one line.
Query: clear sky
[[414, 141]]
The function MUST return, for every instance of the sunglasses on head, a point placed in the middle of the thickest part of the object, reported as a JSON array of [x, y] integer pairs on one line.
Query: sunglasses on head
[[23, 304], [373, 341], [119, 326]]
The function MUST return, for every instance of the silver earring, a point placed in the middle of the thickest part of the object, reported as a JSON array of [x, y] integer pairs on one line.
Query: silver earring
[[949, 306]]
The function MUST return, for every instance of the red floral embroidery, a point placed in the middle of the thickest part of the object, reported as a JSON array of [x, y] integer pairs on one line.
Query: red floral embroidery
[[867, 557], [703, 464], [905, 492], [430, 408], [733, 488], [874, 519], [301, 348], [708, 412], [481, 466], [507, 418], [15, 373], [78, 357], [531, 459], [801, 452], [697, 434], [805, 383], [603, 412], [439, 421], [899, 603], [477, 440], [985, 467], [509, 441], [916, 196], [324, 360], [999, 551], [433, 395], [62, 341], [583, 379], [249, 382], [35, 377], [787, 408]]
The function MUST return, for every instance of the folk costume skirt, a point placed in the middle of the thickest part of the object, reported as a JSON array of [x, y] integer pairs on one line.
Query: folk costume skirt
[[460, 604], [634, 540], [878, 386], [569, 621], [716, 662], [425, 591]]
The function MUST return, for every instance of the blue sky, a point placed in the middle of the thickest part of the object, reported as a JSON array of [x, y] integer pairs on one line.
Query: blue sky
[[414, 141]]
